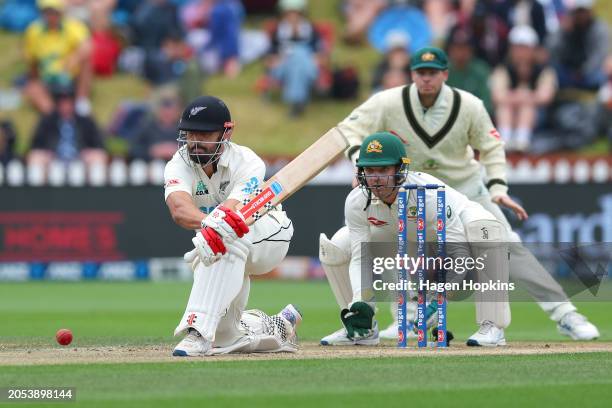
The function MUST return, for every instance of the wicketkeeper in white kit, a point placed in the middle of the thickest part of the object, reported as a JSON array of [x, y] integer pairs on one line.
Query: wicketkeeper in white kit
[[371, 215], [441, 127], [205, 181]]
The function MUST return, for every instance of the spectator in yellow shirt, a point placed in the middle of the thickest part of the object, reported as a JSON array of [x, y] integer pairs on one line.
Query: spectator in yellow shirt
[[58, 52]]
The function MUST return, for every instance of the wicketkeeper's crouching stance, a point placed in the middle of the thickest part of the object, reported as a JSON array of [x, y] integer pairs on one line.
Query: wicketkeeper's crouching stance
[[205, 182], [371, 216]]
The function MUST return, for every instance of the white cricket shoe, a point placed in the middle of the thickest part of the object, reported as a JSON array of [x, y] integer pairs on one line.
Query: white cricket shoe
[[390, 333], [340, 338], [576, 326], [192, 345], [291, 318], [488, 335], [292, 315]]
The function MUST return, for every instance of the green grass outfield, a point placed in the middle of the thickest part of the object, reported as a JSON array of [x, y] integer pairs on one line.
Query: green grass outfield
[[106, 314]]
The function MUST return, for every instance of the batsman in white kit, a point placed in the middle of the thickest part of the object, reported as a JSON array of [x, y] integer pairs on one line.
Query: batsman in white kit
[[205, 182], [371, 215]]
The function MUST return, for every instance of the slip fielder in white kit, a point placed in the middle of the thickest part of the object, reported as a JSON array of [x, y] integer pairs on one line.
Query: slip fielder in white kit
[[441, 127], [371, 215], [204, 182]]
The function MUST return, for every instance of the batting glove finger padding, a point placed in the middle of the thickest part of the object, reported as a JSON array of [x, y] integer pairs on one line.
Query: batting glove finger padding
[[209, 246], [214, 241], [227, 223]]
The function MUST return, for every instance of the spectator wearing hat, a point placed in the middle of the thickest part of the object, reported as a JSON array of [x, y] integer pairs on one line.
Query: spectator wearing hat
[[579, 49], [58, 52], [521, 89], [65, 134], [394, 68], [466, 71], [156, 138], [295, 54]]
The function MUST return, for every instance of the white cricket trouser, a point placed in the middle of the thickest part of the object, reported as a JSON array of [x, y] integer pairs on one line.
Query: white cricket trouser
[[220, 292], [495, 309], [524, 267]]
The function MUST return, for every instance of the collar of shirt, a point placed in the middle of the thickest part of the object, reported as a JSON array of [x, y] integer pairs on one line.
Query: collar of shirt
[[225, 159], [434, 116]]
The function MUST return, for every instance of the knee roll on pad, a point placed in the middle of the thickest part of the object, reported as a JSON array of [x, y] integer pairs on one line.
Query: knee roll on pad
[[331, 254]]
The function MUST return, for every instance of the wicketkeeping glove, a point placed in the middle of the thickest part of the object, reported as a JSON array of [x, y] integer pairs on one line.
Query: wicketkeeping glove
[[358, 320], [228, 224]]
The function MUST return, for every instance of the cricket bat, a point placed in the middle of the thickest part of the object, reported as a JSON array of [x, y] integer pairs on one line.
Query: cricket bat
[[294, 175]]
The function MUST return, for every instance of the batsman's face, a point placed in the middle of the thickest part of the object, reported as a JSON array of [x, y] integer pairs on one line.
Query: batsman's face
[[382, 182], [203, 144], [429, 81]]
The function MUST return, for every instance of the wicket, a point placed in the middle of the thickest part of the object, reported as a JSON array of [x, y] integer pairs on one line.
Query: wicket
[[421, 233]]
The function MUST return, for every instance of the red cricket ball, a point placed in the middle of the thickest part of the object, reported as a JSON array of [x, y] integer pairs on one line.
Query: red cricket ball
[[63, 337]]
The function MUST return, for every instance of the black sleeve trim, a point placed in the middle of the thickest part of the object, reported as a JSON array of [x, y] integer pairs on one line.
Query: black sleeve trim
[[496, 181], [352, 151]]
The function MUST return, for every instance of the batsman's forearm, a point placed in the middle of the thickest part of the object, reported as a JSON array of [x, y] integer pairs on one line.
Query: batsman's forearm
[[184, 212], [188, 219]]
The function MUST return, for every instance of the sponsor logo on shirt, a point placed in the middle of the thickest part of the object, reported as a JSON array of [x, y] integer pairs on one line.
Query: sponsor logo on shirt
[[172, 182], [377, 222], [201, 189], [495, 134], [251, 185]]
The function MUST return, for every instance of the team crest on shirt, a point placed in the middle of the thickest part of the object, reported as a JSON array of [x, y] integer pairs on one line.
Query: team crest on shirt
[[412, 213], [223, 186], [201, 189], [374, 147], [428, 56]]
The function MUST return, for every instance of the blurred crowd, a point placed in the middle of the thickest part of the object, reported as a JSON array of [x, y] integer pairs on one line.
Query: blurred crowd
[[542, 67]]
